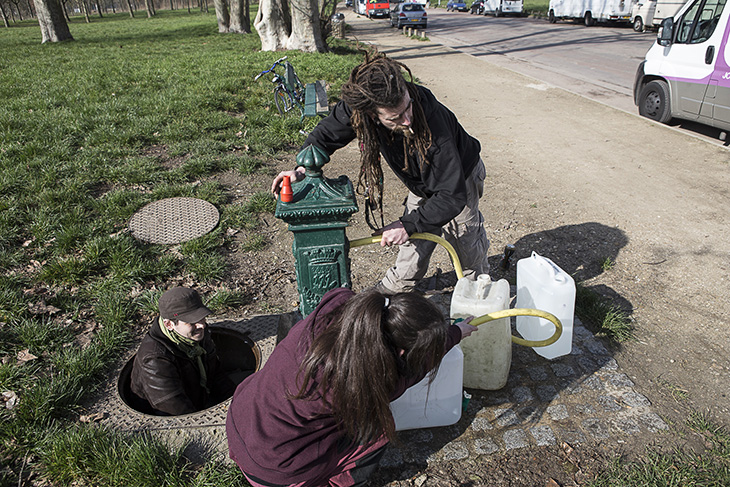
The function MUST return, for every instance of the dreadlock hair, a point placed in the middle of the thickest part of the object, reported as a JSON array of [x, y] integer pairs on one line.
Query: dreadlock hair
[[357, 359], [379, 83]]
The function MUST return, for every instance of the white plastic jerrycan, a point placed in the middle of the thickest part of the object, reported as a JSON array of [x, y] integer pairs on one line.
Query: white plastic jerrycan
[[422, 406], [543, 285], [488, 351]]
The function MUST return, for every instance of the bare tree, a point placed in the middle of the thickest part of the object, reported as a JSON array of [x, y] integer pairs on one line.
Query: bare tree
[[306, 33], [52, 22], [222, 15], [240, 17], [85, 8], [17, 9], [284, 26], [273, 23], [150, 6], [5, 16]]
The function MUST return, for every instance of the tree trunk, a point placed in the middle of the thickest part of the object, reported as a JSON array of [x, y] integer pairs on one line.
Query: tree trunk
[[306, 32], [221, 15], [5, 16], [30, 8], [98, 8], [329, 8], [150, 8], [85, 8], [131, 10], [65, 10], [17, 8], [52, 22], [240, 19], [273, 24]]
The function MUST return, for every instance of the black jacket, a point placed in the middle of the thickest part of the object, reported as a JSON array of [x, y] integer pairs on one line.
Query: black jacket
[[170, 381], [452, 157]]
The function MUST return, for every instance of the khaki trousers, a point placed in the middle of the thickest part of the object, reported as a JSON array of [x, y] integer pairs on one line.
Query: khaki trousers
[[465, 233]]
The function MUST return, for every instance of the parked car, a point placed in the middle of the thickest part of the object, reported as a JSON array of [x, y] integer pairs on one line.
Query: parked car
[[477, 7], [456, 5], [408, 13]]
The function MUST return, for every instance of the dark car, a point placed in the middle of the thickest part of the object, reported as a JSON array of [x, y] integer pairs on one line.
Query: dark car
[[477, 7], [408, 13], [456, 5]]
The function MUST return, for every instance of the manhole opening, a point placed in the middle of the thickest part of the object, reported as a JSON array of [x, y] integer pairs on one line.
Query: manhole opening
[[239, 355]]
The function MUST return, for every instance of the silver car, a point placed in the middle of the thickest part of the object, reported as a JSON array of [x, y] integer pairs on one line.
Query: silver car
[[408, 13]]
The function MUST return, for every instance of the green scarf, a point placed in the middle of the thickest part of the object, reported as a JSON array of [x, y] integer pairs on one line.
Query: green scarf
[[192, 349]]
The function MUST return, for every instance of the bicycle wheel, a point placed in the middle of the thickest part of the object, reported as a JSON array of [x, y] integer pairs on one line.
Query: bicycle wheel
[[283, 100]]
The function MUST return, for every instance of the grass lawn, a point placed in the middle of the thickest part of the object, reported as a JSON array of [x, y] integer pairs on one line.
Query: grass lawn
[[82, 127], [82, 124]]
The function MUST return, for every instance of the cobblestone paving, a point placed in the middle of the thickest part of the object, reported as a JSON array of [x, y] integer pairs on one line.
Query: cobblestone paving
[[575, 399]]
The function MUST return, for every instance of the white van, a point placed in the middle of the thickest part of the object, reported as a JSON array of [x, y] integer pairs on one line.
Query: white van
[[649, 14], [686, 73], [502, 7], [361, 7], [590, 11]]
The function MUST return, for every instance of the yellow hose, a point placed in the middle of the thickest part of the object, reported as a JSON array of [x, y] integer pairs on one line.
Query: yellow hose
[[489, 316]]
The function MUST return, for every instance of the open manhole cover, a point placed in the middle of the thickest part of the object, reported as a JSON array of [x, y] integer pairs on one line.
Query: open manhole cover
[[173, 220]]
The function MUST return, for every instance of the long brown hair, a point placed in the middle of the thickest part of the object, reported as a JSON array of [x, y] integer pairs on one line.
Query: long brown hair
[[379, 83], [357, 360]]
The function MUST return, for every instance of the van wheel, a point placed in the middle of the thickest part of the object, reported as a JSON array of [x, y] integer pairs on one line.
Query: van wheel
[[551, 16], [638, 24], [654, 101], [589, 20], [498, 12]]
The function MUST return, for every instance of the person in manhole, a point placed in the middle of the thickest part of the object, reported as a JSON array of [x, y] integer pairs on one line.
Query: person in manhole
[[176, 369], [318, 412], [426, 147]]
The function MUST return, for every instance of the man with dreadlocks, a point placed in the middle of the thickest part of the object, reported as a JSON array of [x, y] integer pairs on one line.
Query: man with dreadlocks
[[427, 148]]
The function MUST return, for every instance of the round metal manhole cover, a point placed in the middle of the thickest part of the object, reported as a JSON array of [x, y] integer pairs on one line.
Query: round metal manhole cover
[[173, 220]]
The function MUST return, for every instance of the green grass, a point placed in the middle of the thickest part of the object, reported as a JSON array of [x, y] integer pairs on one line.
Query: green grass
[[601, 316], [678, 468], [535, 7], [132, 111]]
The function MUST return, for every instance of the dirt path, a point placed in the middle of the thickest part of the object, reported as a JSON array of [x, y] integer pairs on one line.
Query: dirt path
[[580, 182]]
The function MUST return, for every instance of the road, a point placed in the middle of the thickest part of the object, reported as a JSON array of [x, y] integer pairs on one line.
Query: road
[[597, 62]]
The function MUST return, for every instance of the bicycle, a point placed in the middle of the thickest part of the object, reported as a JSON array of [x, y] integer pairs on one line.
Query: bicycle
[[289, 91]]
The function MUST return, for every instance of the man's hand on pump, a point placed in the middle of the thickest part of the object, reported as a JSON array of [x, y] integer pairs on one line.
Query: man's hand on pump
[[393, 234], [294, 175]]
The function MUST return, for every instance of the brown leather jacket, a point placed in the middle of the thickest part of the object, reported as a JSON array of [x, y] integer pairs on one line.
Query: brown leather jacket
[[169, 381]]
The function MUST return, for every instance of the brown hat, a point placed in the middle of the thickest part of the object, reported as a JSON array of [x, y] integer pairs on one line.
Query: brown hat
[[182, 303]]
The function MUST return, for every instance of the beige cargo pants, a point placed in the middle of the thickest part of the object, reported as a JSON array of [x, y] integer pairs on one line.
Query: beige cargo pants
[[465, 233]]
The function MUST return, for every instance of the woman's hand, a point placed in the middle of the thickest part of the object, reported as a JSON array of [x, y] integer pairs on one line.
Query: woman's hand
[[294, 175], [466, 328]]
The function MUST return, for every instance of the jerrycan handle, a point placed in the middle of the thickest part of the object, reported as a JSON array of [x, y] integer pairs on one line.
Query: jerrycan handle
[[556, 273]]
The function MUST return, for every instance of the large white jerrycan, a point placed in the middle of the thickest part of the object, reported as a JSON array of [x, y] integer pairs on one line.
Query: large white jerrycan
[[543, 285], [488, 351], [424, 406]]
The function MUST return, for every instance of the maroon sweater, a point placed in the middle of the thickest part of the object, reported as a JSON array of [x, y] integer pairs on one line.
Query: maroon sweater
[[282, 440]]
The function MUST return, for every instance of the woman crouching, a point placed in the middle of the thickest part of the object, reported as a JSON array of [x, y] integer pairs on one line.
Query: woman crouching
[[318, 412]]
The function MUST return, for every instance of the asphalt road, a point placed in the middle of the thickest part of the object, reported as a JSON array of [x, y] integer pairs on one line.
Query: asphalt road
[[597, 62]]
